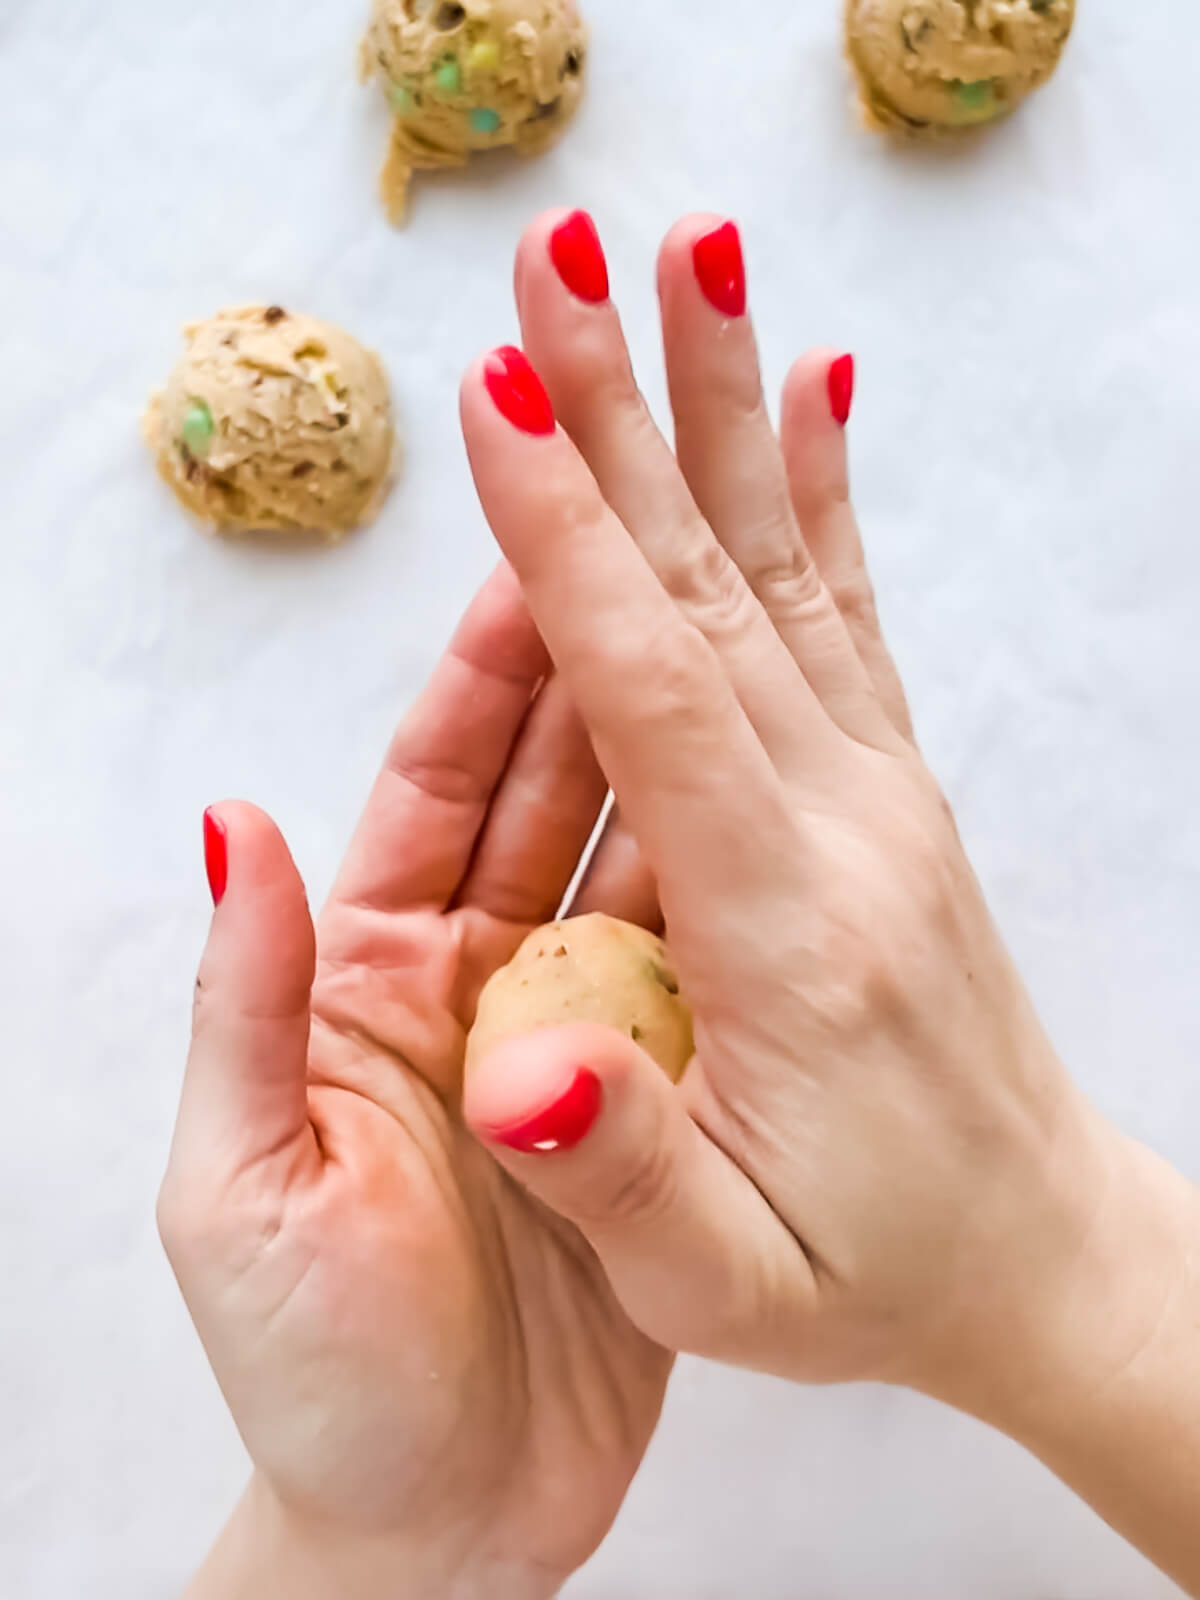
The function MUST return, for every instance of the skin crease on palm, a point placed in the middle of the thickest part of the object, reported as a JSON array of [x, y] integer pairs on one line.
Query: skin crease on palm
[[874, 1168]]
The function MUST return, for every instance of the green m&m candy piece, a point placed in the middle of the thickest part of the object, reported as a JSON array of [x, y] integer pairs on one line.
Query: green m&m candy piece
[[198, 429], [485, 120], [448, 76], [975, 102]]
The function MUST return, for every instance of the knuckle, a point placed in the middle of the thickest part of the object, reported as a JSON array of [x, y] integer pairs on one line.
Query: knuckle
[[793, 589], [615, 396], [732, 390], [695, 570], [854, 597], [451, 781], [677, 668], [601, 377], [723, 605], [642, 1193], [819, 493]]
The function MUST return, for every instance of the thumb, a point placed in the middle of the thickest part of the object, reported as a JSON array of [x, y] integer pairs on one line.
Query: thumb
[[589, 1124], [245, 1093]]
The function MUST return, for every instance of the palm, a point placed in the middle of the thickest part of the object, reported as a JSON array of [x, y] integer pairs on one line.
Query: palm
[[521, 1377], [405, 1330]]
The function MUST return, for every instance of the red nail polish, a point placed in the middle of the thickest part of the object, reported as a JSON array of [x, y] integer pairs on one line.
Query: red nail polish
[[841, 389], [560, 1126], [578, 258], [517, 391], [721, 269], [216, 855]]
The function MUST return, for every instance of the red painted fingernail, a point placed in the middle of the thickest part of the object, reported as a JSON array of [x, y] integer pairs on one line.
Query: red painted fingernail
[[578, 258], [560, 1126], [841, 389], [216, 855], [721, 270], [517, 391]]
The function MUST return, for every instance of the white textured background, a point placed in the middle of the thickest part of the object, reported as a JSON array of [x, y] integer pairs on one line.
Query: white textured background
[[1025, 444]]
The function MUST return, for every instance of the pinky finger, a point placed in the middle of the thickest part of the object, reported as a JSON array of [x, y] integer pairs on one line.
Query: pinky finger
[[816, 406]]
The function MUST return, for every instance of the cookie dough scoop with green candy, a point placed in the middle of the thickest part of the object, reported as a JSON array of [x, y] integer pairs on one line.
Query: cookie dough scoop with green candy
[[931, 68], [465, 76], [273, 421]]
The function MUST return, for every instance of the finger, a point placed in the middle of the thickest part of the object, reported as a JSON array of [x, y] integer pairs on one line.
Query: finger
[[617, 880], [731, 459], [579, 351], [667, 729], [542, 816], [244, 1092], [816, 404], [415, 839], [586, 1122]]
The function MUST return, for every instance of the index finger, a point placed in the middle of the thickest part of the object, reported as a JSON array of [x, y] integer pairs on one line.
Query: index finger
[[667, 727], [413, 844]]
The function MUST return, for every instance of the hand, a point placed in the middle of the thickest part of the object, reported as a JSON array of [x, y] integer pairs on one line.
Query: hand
[[875, 1167], [437, 1387]]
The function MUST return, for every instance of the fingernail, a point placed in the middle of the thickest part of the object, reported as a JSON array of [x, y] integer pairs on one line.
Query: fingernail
[[721, 270], [578, 258], [216, 855], [517, 391], [560, 1126], [841, 389]]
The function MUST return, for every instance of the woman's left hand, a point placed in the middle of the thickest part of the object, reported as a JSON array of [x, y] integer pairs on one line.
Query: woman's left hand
[[439, 1391]]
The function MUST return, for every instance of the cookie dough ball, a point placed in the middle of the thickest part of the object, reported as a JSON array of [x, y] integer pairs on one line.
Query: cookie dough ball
[[468, 75], [274, 421], [588, 969], [935, 66]]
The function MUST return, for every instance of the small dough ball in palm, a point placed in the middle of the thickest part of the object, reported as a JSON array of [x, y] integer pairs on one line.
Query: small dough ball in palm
[[277, 421], [930, 67], [588, 969], [463, 76]]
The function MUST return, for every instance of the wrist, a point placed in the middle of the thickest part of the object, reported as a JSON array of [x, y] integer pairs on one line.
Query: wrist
[[1111, 1251], [1101, 1386], [269, 1548]]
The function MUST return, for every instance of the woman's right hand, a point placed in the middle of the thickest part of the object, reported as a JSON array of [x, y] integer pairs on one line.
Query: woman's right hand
[[875, 1167]]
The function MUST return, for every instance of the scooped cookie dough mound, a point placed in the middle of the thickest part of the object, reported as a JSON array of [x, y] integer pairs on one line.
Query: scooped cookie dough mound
[[927, 67], [468, 75], [588, 969], [274, 421]]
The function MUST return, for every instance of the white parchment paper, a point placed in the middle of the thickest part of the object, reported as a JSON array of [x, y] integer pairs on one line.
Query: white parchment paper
[[1025, 444]]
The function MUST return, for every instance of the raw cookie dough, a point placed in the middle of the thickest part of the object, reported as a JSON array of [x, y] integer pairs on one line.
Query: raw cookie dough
[[475, 75], [927, 67], [588, 969], [274, 421]]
